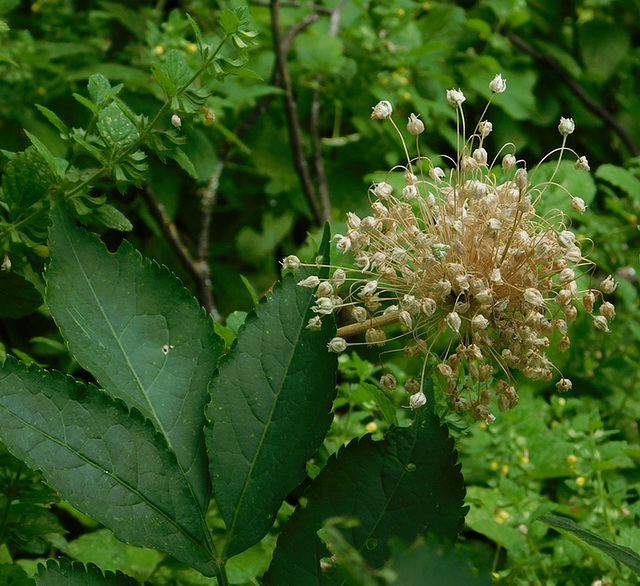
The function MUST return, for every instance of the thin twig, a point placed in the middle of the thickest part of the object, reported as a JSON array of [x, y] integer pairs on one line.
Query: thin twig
[[170, 232], [209, 198], [578, 90], [318, 160], [291, 108]]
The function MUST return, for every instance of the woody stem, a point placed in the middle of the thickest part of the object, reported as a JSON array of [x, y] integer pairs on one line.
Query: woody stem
[[358, 328]]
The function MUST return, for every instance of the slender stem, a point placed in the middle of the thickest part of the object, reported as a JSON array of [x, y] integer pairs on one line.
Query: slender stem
[[358, 328], [291, 108], [209, 199]]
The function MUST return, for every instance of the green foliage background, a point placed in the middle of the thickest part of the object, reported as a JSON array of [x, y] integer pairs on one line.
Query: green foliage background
[[575, 455]]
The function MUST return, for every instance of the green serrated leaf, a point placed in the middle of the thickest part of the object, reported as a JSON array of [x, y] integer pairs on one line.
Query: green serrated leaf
[[27, 178], [19, 296], [404, 486], [105, 460], [622, 554], [115, 128], [64, 572], [54, 119], [180, 157], [144, 337], [171, 72], [100, 90], [196, 32], [620, 178], [46, 154], [270, 409], [111, 217], [228, 21]]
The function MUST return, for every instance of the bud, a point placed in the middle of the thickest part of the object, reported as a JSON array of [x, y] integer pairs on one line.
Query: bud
[[479, 322], [484, 128], [412, 385], [382, 110], [436, 173], [578, 205], [608, 285], [405, 319], [566, 126], [445, 370], [369, 288], [415, 126], [497, 84], [582, 164], [388, 382], [522, 179], [291, 262], [508, 162], [600, 323], [383, 190], [324, 289], [418, 400], [534, 297], [353, 221], [409, 192], [564, 385], [324, 306], [455, 98], [309, 282], [176, 121], [480, 156], [337, 345], [339, 277], [454, 322], [315, 324], [359, 313], [588, 299], [375, 337], [608, 310], [6, 263]]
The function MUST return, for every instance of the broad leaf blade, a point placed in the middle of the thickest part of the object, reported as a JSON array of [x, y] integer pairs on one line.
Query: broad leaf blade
[[105, 460], [620, 553], [143, 336], [270, 410], [64, 572], [404, 486]]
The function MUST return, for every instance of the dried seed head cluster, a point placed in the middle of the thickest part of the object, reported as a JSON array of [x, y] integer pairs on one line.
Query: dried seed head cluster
[[459, 257]]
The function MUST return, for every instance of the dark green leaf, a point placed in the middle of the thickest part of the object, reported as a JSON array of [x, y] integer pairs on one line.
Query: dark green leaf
[[603, 44], [110, 217], [445, 567], [622, 554], [18, 296], [27, 178], [100, 90], [171, 72], [404, 486], [54, 119], [105, 460], [228, 21], [64, 572], [46, 154], [270, 409], [115, 128], [14, 575], [620, 178], [143, 336]]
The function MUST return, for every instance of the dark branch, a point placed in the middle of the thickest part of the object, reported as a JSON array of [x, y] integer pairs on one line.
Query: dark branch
[[578, 90], [291, 108], [170, 232]]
